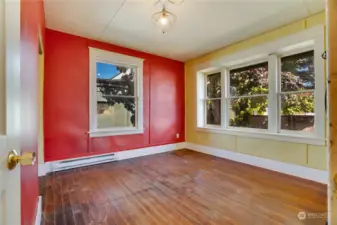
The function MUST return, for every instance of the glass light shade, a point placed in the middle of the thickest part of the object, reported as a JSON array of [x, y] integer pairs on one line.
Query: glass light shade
[[164, 20]]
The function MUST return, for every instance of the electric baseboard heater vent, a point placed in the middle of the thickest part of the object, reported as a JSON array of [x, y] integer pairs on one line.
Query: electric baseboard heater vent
[[88, 161]]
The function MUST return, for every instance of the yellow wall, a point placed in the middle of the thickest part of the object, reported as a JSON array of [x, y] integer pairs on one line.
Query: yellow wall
[[41, 136], [295, 153]]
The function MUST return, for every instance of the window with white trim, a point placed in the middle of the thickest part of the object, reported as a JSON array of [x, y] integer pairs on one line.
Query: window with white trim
[[297, 92], [277, 93], [248, 96], [115, 94]]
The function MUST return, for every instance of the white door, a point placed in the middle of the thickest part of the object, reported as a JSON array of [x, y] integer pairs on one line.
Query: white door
[[10, 114], [10, 51]]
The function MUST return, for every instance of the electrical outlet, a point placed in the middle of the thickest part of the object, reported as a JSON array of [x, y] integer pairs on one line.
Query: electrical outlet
[[177, 135]]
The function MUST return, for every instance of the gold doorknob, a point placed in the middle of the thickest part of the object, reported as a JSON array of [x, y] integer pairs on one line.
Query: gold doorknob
[[26, 159]]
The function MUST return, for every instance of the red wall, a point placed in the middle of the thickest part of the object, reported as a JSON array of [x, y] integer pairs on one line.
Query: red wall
[[66, 100], [32, 19]]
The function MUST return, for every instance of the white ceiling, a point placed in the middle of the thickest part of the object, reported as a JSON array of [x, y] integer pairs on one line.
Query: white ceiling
[[201, 27]]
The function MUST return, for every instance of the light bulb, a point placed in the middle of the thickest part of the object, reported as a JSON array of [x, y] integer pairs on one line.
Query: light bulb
[[163, 20]]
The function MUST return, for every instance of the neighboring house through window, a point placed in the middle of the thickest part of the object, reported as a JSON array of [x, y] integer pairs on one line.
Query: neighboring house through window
[[115, 94]]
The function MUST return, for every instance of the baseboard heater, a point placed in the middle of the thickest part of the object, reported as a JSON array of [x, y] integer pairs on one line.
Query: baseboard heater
[[74, 163]]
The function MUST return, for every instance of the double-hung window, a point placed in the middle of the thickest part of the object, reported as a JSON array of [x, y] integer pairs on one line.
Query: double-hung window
[[298, 92], [276, 93], [248, 96], [115, 94]]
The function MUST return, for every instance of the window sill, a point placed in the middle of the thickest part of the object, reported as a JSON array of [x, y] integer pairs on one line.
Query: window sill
[[106, 133], [254, 133]]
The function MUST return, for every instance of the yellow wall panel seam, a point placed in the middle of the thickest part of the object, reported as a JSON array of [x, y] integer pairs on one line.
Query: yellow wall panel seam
[[307, 147]]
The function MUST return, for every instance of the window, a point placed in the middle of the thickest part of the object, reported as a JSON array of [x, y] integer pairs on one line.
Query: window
[[248, 96], [297, 92], [277, 93], [213, 99], [115, 94]]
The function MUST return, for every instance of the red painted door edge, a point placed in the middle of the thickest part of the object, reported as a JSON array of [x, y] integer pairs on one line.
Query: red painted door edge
[[31, 20]]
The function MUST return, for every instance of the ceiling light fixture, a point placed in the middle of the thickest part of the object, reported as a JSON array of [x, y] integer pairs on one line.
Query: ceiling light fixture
[[164, 19]]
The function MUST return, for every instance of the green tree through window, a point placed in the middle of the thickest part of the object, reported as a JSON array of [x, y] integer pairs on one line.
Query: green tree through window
[[248, 81], [297, 75]]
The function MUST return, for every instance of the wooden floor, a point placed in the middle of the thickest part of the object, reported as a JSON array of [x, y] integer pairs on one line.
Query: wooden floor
[[182, 187]]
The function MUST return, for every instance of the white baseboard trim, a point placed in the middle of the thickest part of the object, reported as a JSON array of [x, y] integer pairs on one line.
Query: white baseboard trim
[[44, 168], [38, 218], [147, 151], [85, 161], [281, 167]]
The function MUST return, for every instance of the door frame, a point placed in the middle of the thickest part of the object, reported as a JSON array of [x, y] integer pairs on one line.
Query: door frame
[[331, 34]]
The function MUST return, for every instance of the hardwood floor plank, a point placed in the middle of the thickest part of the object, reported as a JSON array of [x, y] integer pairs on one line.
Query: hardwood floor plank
[[59, 214], [66, 185], [182, 187]]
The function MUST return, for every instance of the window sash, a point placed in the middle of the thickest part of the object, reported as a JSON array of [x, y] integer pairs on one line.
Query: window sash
[[246, 97], [205, 113], [205, 84], [135, 83], [121, 127], [245, 66], [288, 131]]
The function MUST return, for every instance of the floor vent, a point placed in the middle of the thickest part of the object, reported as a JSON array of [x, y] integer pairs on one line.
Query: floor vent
[[74, 163]]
